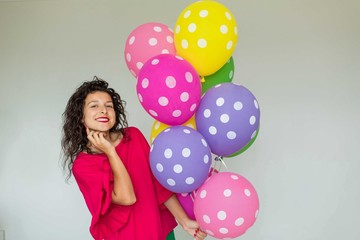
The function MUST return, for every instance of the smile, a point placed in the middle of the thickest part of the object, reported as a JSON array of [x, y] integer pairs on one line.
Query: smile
[[102, 119]]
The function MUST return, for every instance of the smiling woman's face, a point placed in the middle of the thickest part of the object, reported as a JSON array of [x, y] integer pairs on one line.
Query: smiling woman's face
[[98, 112]]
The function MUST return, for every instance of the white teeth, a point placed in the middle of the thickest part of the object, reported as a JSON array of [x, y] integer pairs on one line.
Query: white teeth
[[103, 119]]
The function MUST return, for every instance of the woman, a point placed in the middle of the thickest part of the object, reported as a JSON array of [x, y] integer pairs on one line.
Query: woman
[[110, 162]]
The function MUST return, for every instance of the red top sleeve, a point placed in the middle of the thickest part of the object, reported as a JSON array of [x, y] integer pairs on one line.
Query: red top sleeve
[[94, 178]]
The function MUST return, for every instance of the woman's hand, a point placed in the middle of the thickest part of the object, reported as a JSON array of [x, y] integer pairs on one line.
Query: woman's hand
[[123, 191], [99, 141], [192, 227]]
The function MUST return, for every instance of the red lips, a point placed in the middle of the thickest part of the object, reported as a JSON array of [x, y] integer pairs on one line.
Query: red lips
[[102, 119]]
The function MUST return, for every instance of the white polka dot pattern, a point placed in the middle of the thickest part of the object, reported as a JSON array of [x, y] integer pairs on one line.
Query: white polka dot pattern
[[226, 205], [202, 45], [180, 159], [228, 118], [170, 87], [158, 127], [146, 41]]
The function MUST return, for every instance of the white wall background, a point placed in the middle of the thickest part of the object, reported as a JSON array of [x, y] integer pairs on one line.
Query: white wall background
[[300, 58]]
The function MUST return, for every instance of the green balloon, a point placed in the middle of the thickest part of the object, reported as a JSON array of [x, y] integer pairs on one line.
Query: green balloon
[[224, 74], [246, 146]]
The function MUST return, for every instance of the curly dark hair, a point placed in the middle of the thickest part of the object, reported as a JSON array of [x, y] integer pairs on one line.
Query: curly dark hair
[[74, 138]]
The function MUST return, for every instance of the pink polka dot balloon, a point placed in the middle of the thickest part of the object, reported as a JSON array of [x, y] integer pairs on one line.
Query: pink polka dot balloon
[[226, 205], [146, 41], [169, 89], [187, 199]]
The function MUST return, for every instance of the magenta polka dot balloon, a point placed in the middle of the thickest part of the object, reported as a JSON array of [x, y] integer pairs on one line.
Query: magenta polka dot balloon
[[187, 202], [226, 205], [146, 41], [169, 89]]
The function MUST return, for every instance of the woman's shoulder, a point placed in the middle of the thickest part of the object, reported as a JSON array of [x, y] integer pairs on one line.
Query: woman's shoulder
[[134, 135], [87, 161], [132, 131]]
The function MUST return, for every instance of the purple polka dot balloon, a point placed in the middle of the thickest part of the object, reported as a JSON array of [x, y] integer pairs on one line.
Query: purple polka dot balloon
[[228, 118], [180, 159]]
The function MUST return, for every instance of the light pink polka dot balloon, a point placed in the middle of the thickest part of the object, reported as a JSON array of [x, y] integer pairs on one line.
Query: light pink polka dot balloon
[[187, 199], [169, 89], [146, 41], [226, 205]]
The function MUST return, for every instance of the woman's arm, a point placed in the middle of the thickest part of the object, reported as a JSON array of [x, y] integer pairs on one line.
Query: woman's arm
[[181, 217], [123, 192]]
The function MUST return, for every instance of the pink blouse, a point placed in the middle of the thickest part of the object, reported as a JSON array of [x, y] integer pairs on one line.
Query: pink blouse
[[148, 218]]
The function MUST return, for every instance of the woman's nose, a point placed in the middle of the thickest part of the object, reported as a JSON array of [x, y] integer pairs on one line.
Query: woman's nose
[[103, 110]]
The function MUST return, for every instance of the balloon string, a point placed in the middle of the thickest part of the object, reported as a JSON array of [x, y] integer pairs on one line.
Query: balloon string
[[214, 167], [220, 159], [192, 195], [224, 164]]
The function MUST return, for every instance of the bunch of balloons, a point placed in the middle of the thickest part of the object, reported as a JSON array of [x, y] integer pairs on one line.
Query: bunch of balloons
[[184, 81]]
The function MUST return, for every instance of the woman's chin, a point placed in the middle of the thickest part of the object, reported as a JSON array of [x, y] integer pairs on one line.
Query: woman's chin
[[100, 129]]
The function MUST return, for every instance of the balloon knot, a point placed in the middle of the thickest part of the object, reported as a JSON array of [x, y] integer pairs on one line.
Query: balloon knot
[[220, 159]]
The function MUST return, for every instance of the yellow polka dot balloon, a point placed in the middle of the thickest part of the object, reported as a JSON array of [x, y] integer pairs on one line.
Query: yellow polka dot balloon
[[206, 35], [158, 127]]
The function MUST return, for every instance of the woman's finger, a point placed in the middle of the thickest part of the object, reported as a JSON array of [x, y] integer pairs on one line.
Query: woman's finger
[[90, 135], [202, 235], [96, 136], [199, 234], [102, 136]]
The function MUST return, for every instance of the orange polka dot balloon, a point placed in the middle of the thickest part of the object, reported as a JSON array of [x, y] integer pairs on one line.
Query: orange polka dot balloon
[[206, 35]]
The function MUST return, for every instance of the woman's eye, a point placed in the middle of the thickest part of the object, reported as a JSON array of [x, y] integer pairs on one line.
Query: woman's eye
[[93, 106], [110, 106]]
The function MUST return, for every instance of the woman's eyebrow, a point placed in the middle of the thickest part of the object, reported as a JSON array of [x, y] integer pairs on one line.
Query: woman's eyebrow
[[93, 101], [97, 101]]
